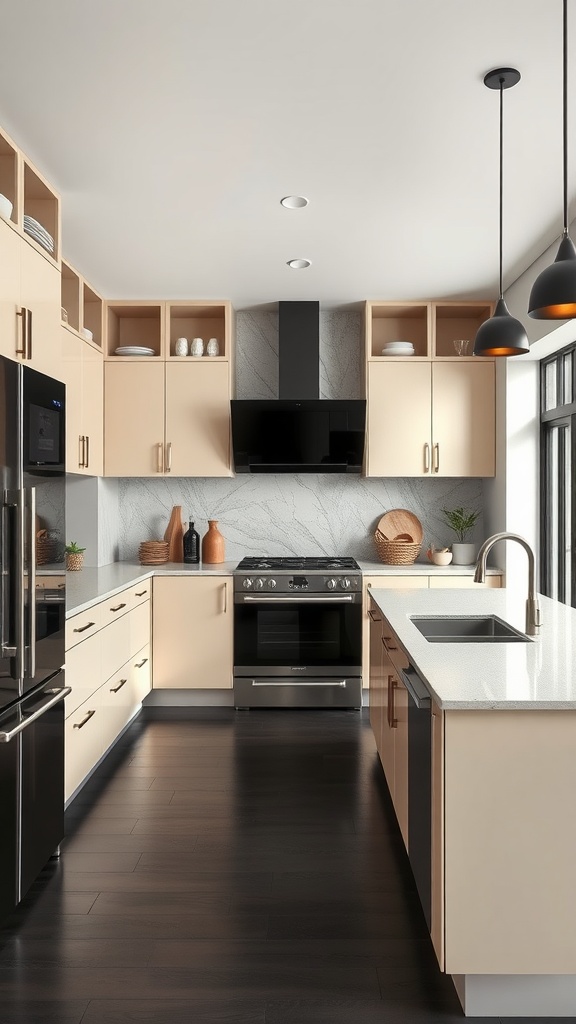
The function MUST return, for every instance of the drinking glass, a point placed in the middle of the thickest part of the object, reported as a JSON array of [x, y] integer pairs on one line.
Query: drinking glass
[[461, 347]]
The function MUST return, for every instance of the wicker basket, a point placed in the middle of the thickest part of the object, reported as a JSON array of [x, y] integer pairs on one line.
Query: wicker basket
[[153, 552], [397, 551], [45, 550]]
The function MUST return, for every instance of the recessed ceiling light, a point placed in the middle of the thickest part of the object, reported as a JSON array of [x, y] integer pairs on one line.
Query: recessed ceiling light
[[294, 202], [299, 264]]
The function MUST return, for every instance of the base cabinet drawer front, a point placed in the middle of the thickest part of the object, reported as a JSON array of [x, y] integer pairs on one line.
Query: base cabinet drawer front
[[115, 607], [83, 671], [139, 593], [192, 632], [124, 637], [140, 626], [141, 674], [467, 582], [83, 742], [117, 704], [385, 583], [83, 625]]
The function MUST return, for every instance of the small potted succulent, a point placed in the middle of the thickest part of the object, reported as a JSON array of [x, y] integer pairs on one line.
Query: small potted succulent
[[462, 521], [74, 556]]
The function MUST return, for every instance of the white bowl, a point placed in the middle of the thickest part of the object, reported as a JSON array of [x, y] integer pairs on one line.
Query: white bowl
[[6, 207], [441, 557]]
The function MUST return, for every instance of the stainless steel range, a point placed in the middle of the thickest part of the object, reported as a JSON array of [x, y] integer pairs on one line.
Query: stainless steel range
[[298, 632]]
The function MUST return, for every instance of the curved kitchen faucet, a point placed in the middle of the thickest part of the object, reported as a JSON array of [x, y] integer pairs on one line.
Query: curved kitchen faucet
[[533, 617]]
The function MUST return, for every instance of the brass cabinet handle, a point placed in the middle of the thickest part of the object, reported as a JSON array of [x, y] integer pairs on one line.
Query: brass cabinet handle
[[81, 629], [29, 318], [426, 458], [26, 322], [139, 664], [114, 689], [169, 457], [436, 466], [159, 453], [80, 451], [118, 607], [89, 715], [87, 450], [373, 616], [225, 608], [141, 593], [392, 684], [387, 641]]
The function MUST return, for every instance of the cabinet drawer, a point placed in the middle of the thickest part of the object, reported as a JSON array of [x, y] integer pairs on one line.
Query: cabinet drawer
[[115, 607], [117, 704], [83, 742], [124, 637], [83, 625], [83, 671], [141, 671], [462, 582], [139, 593]]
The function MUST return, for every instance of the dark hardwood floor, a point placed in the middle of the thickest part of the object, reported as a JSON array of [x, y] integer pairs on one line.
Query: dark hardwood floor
[[231, 867]]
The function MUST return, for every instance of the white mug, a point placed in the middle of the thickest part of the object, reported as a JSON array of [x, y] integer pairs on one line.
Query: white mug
[[213, 348], [197, 347], [181, 347]]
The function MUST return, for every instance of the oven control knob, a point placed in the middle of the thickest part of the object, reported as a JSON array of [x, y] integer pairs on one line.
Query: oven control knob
[[247, 583], [345, 583], [271, 584], [331, 584], [258, 584]]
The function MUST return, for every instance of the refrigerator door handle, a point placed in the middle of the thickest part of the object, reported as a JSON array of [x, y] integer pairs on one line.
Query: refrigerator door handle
[[17, 569], [53, 697], [30, 640]]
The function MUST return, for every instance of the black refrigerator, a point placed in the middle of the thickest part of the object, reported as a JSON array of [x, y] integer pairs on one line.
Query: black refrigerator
[[32, 618]]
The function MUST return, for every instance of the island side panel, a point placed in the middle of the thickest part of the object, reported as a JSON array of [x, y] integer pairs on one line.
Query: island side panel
[[510, 842]]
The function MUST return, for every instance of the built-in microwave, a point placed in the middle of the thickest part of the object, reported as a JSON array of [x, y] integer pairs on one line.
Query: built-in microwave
[[44, 424]]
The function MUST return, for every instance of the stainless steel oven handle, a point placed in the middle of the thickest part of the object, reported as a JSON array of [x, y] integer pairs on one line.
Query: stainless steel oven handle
[[56, 696], [300, 599], [299, 682]]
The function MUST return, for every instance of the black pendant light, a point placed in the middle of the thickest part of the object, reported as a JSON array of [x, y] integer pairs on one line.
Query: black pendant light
[[553, 295], [502, 334]]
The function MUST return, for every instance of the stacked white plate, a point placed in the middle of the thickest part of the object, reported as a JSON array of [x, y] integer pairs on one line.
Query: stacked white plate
[[134, 350], [38, 233], [398, 348]]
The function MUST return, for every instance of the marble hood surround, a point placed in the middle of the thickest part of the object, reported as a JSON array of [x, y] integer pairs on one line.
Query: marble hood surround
[[299, 432]]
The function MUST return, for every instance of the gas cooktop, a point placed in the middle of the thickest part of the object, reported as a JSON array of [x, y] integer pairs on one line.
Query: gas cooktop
[[312, 564]]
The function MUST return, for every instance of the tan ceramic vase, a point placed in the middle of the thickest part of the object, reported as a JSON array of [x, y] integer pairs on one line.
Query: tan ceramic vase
[[213, 543]]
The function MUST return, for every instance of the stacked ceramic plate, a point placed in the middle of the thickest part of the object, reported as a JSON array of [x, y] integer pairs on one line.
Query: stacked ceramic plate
[[134, 350], [398, 348], [38, 233]]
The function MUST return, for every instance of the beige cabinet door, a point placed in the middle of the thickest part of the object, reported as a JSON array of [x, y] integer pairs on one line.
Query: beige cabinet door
[[375, 674], [10, 323], [83, 741], [40, 293], [464, 418], [93, 409], [399, 715], [198, 419], [399, 419], [192, 632], [71, 355], [133, 418]]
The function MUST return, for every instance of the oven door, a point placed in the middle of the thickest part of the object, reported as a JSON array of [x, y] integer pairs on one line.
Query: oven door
[[298, 650]]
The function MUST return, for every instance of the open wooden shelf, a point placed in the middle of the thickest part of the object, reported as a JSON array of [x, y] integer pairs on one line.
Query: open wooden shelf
[[92, 315], [402, 321], [70, 291], [457, 320], [9, 175], [198, 320], [41, 203], [134, 323]]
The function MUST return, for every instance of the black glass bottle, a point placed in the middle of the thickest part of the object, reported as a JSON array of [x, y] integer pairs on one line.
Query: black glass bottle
[[191, 544]]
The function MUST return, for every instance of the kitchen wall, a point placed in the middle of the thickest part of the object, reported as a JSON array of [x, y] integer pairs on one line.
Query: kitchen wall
[[282, 515]]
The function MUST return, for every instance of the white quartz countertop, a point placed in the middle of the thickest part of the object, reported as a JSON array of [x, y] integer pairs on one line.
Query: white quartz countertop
[[89, 586], [422, 569], [537, 675]]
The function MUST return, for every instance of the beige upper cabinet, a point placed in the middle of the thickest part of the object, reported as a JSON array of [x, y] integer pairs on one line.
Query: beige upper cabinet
[[192, 621], [431, 413], [133, 418], [83, 373], [178, 406]]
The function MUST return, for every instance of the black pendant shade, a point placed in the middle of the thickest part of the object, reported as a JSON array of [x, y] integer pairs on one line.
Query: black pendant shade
[[553, 295], [502, 334]]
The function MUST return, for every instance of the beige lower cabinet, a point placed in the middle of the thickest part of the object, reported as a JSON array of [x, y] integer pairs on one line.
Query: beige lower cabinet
[[447, 582], [166, 418], [431, 419], [108, 670], [504, 842], [192, 632]]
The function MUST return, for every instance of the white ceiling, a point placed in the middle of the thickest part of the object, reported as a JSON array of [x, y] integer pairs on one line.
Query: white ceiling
[[172, 129]]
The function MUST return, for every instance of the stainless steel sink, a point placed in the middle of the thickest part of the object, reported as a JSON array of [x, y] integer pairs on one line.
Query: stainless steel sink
[[467, 629]]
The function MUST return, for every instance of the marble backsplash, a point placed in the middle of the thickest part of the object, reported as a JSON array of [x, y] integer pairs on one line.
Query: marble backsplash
[[306, 514]]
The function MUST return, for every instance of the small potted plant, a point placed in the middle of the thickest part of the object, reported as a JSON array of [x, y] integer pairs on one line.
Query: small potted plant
[[462, 521], [74, 556]]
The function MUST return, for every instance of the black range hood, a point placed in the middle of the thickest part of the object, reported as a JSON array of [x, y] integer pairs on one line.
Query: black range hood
[[299, 432]]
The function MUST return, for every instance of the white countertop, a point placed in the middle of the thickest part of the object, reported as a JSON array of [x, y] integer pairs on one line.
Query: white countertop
[[537, 675], [86, 587], [422, 569]]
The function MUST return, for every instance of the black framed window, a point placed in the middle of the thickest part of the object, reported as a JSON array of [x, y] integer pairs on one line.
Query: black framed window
[[558, 466]]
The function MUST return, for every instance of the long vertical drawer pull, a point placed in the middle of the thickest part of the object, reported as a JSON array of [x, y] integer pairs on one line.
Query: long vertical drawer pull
[[436, 458], [118, 607], [114, 689], [82, 629], [139, 664], [89, 715], [23, 351]]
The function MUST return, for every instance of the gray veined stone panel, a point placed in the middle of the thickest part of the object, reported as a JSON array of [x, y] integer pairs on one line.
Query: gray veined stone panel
[[256, 355]]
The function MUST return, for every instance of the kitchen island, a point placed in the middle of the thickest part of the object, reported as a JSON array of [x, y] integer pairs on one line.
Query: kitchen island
[[499, 747]]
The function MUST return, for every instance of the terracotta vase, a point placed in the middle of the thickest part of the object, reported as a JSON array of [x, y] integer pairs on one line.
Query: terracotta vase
[[174, 535], [213, 543]]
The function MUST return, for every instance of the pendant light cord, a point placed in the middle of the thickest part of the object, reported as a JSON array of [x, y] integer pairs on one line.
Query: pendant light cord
[[501, 293], [565, 113]]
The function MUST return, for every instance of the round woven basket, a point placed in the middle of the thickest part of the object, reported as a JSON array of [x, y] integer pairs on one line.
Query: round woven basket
[[397, 551], [153, 552], [44, 550]]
